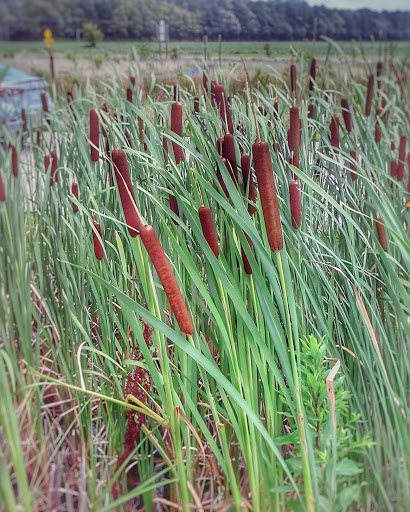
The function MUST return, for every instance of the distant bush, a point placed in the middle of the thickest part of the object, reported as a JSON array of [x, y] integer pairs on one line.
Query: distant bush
[[144, 50], [268, 49], [98, 61], [92, 34], [174, 54]]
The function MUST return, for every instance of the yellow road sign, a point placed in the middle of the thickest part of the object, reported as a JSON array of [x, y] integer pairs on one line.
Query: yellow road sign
[[48, 37]]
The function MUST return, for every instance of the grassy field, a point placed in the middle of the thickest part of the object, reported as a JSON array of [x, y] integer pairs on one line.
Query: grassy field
[[204, 304], [277, 49]]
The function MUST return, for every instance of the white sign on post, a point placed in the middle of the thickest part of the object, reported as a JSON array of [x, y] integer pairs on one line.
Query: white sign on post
[[162, 31]]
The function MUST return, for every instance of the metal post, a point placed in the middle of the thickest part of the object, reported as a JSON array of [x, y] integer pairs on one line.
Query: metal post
[[206, 49]]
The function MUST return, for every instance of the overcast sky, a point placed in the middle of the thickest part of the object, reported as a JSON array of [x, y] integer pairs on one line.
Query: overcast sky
[[391, 5]]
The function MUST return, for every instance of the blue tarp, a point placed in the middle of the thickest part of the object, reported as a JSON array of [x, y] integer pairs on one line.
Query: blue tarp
[[20, 90]]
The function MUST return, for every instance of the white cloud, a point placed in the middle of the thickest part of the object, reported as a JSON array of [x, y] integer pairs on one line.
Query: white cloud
[[380, 5]]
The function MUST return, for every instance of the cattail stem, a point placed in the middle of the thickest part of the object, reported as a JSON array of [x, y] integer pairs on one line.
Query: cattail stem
[[208, 229], [347, 116], [312, 77], [160, 261]]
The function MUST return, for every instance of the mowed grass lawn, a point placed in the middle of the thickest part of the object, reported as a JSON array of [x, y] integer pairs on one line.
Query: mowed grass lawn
[[251, 48]]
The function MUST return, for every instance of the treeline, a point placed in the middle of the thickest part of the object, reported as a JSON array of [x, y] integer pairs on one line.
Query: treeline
[[191, 19]]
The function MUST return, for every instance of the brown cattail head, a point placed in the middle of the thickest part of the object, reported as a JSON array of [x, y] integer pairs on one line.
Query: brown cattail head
[[381, 233], [393, 168], [14, 161], [267, 193], [196, 104], [133, 80], [295, 208], [220, 178], [165, 149], [377, 129], [353, 164], [122, 175], [248, 182], [167, 278], [44, 102], [392, 145], [312, 77], [219, 144], [98, 248], [293, 78], [379, 68], [54, 166], [24, 119], [221, 102], [369, 95], [311, 111], [402, 157], [176, 127], [246, 265], [276, 109], [228, 152], [94, 135], [176, 92], [70, 97], [74, 190], [294, 135], [129, 94], [142, 132], [334, 133], [205, 81], [208, 229], [2, 190], [173, 205], [347, 116]]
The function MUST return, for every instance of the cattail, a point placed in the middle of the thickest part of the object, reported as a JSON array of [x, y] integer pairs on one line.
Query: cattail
[[402, 157], [205, 81], [74, 190], [221, 180], [334, 133], [219, 144], [129, 94], [353, 164], [276, 109], [293, 78], [44, 101], [176, 92], [246, 265], [369, 95], [98, 248], [311, 111], [208, 229], [24, 119], [408, 168], [377, 129], [70, 97], [347, 116], [294, 135], [142, 133], [47, 162], [165, 149], [167, 278], [267, 193], [173, 205], [222, 104], [228, 152], [381, 233], [392, 145], [38, 135], [94, 135], [14, 161], [312, 77], [229, 169], [295, 208], [133, 80], [176, 127], [248, 181], [379, 68], [54, 167], [122, 175], [2, 190], [196, 104], [393, 168]]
